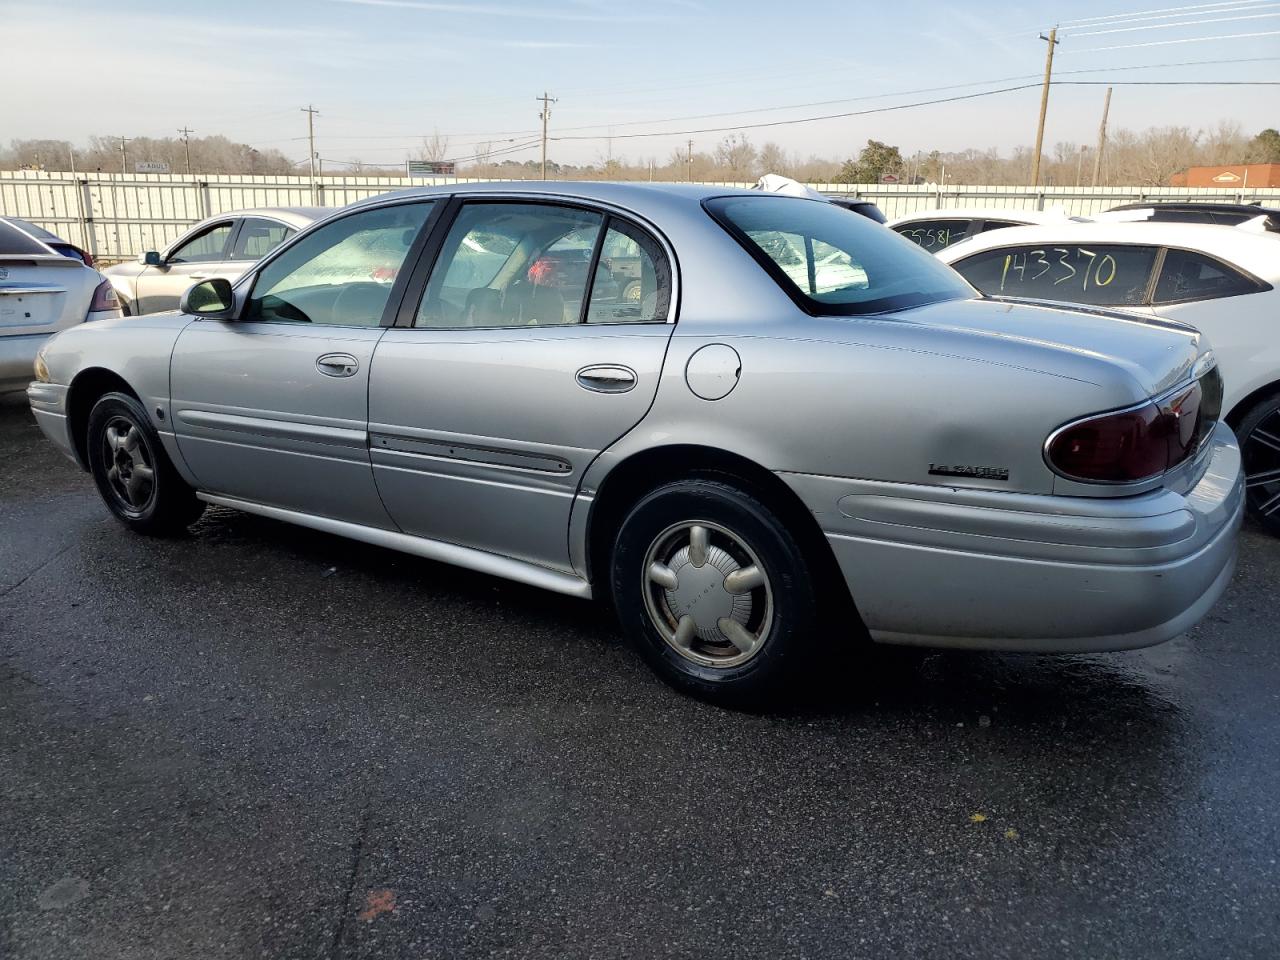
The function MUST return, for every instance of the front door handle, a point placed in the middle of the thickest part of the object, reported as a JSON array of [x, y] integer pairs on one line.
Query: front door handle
[[337, 365], [607, 378], [201, 276]]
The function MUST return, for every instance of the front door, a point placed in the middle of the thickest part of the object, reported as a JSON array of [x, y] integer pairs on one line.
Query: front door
[[273, 407], [523, 359], [196, 258]]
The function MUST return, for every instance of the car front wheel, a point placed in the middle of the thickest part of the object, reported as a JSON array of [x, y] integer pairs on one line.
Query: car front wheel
[[1259, 436], [714, 591], [132, 472]]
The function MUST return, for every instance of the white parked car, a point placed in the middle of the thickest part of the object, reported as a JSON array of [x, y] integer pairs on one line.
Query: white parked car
[[936, 230], [1221, 280], [41, 292], [223, 246]]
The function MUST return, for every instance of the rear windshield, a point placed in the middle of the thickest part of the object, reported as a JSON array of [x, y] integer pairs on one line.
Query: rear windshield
[[832, 263], [14, 242]]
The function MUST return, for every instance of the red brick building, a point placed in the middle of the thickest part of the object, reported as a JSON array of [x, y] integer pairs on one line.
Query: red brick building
[[1236, 176]]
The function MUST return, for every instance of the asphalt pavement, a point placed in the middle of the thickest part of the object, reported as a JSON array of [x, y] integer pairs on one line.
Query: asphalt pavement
[[261, 741]]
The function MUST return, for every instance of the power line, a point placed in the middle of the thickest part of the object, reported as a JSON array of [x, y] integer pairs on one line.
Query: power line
[[924, 103], [1178, 23], [1165, 43], [1184, 10]]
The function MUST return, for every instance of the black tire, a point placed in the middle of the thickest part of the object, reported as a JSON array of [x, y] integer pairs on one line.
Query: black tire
[[1259, 436], [631, 292], [740, 525], [121, 444]]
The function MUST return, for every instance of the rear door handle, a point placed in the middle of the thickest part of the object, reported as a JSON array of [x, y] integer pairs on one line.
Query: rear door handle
[[607, 378], [337, 365]]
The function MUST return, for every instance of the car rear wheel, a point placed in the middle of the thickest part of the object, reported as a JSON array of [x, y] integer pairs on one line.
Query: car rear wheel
[[132, 472], [1259, 436], [714, 591]]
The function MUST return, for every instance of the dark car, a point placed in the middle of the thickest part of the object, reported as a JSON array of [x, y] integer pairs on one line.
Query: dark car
[[1223, 214], [864, 207], [52, 240]]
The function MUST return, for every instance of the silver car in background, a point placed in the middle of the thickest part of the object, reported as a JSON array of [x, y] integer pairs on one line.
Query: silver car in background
[[42, 291], [223, 246], [749, 456]]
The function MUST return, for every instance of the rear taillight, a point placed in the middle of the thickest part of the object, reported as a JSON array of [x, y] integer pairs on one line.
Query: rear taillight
[[1135, 444], [104, 298]]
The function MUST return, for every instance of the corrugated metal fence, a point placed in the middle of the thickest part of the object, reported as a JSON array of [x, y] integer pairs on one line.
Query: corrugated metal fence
[[116, 216]]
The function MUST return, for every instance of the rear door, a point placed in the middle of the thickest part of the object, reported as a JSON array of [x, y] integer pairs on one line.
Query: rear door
[[273, 407], [197, 258], [511, 368]]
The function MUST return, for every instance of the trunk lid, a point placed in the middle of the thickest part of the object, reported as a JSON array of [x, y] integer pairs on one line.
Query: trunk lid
[[1157, 353], [35, 292]]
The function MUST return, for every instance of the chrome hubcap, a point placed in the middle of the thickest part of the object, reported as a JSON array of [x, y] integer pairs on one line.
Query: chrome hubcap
[[707, 593], [1261, 455], [130, 470]]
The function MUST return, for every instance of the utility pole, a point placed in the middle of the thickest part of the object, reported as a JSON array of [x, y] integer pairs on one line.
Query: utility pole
[[1044, 105], [689, 164], [124, 160], [311, 112], [544, 116], [1102, 136], [186, 144]]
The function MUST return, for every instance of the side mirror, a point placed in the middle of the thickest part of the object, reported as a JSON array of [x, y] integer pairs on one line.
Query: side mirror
[[211, 299], [151, 259]]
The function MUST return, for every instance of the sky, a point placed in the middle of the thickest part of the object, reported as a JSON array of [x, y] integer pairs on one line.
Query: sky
[[384, 74]]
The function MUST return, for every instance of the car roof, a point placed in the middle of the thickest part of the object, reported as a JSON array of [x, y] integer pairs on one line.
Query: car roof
[[1257, 209], [1259, 253], [1054, 215], [645, 199], [294, 216]]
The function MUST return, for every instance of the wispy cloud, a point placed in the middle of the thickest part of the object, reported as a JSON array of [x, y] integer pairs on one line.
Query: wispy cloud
[[546, 45], [532, 11]]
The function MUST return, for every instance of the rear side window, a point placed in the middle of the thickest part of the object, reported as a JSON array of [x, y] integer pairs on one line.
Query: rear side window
[[14, 242], [831, 263], [1192, 276], [258, 237], [1096, 274], [935, 235]]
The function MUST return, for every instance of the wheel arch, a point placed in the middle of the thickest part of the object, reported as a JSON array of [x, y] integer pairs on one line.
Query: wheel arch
[[86, 387], [1247, 403], [645, 470]]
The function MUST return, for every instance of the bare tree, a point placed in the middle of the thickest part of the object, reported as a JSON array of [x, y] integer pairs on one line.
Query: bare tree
[[773, 159], [737, 156], [434, 148]]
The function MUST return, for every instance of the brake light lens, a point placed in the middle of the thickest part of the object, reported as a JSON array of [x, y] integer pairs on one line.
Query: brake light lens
[[1136, 444], [104, 298]]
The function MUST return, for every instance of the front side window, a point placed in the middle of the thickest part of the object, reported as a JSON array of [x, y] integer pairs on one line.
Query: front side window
[[205, 247], [259, 237], [832, 263], [1097, 274], [935, 235], [342, 273], [512, 265], [1192, 276]]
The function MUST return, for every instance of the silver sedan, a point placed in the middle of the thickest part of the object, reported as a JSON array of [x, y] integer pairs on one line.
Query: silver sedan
[[223, 246], [799, 429]]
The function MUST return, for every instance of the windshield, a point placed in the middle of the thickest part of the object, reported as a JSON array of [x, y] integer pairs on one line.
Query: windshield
[[832, 261]]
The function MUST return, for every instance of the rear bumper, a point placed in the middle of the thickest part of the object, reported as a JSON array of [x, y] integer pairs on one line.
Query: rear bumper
[[17, 360], [937, 566]]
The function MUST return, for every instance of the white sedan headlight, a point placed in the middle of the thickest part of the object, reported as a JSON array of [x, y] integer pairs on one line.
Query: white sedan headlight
[[42, 368]]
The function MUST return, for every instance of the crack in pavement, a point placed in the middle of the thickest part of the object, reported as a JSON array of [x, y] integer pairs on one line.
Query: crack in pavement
[[5, 591], [357, 849]]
